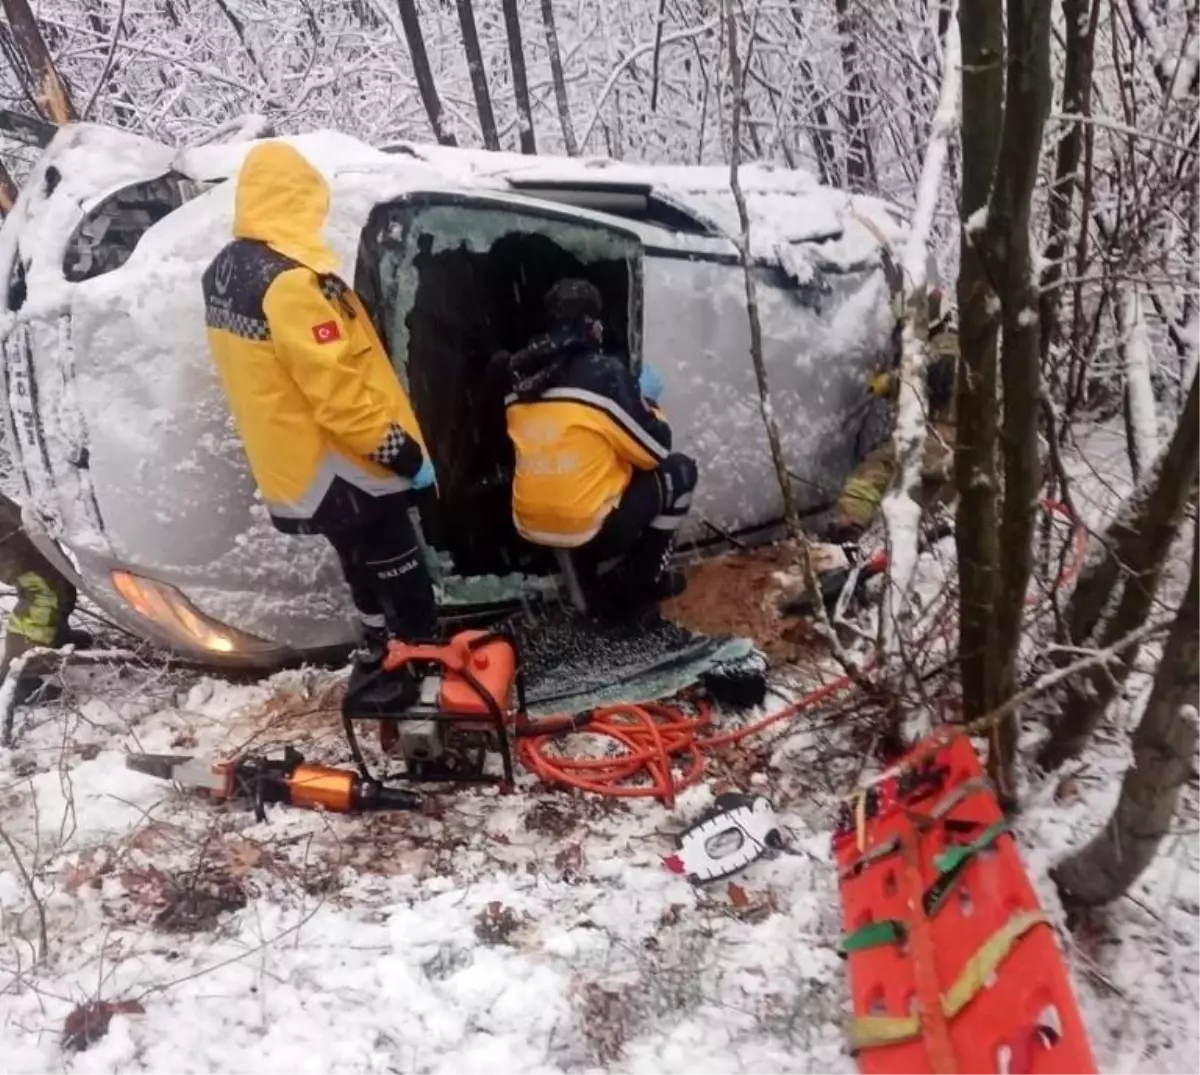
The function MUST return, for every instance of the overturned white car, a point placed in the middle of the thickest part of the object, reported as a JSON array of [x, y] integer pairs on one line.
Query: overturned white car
[[125, 455]]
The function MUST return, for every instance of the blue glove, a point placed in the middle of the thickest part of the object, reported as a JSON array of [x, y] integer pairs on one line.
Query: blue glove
[[424, 477], [650, 383]]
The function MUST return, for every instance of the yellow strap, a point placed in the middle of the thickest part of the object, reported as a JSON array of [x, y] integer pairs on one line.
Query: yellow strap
[[860, 822], [980, 967], [871, 1031]]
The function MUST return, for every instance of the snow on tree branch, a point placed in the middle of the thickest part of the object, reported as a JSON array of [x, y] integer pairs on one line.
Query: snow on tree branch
[[900, 508], [1139, 391]]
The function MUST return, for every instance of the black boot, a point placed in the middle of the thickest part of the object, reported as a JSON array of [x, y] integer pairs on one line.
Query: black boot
[[370, 689], [73, 636]]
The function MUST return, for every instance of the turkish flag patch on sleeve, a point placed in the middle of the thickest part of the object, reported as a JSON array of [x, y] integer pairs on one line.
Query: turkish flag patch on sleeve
[[326, 332]]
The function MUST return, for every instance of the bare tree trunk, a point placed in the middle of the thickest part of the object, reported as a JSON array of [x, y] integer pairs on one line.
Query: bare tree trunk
[[901, 509], [516, 56], [820, 129], [479, 85], [1141, 416], [982, 27], [239, 31], [411, 23], [1076, 100], [756, 348], [1009, 263], [659, 23], [1164, 759], [560, 83], [860, 160], [49, 90], [1135, 547], [117, 98]]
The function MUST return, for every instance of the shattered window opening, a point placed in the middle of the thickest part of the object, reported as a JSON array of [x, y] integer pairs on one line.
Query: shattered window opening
[[451, 282], [108, 235]]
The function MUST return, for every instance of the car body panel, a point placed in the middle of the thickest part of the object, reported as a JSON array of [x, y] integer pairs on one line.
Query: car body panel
[[124, 450]]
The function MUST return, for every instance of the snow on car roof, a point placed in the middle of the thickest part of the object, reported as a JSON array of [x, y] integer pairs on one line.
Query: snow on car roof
[[795, 221], [785, 205]]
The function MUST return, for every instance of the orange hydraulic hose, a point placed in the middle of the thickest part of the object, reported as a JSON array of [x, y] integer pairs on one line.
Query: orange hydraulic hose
[[660, 739]]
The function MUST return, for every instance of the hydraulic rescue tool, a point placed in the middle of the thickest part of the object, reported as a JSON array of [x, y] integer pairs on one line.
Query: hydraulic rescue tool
[[290, 780]]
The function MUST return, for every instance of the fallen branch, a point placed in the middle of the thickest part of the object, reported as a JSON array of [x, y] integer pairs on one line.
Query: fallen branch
[[39, 661]]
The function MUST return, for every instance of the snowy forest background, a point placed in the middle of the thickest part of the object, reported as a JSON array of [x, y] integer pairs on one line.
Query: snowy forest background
[[1050, 157]]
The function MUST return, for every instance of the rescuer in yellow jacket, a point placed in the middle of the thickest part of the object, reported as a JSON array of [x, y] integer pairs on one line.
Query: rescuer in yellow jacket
[[329, 432], [594, 466], [45, 602], [861, 496]]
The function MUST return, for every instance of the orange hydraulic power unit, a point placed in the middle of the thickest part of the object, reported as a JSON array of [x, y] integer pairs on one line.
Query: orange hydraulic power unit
[[953, 965], [443, 706]]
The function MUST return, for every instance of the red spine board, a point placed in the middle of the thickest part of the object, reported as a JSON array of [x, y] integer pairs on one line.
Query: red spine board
[[1019, 1013]]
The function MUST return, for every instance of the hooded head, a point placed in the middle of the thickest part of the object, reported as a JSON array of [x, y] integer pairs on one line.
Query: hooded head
[[282, 201], [574, 305]]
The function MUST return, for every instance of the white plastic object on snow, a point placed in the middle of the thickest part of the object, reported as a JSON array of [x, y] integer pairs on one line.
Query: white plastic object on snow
[[738, 829]]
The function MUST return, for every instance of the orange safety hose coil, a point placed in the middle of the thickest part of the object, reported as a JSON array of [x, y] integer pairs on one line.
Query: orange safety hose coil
[[665, 746]]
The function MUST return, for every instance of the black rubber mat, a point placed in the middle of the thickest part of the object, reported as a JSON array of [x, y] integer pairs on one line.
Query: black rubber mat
[[573, 662]]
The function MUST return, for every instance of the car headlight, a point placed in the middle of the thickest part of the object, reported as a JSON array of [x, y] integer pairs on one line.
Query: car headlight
[[166, 607]]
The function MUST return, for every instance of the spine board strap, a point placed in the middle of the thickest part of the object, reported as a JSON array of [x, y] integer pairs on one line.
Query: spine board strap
[[873, 1031]]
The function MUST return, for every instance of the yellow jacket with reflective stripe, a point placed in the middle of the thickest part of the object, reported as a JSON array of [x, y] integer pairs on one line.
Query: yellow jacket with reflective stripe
[[327, 427], [576, 447]]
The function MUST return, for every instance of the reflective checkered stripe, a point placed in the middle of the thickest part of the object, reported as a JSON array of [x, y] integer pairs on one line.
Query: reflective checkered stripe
[[332, 467], [392, 447], [36, 616], [241, 325], [674, 514]]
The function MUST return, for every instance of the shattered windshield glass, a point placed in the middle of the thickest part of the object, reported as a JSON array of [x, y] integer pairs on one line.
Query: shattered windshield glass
[[417, 232]]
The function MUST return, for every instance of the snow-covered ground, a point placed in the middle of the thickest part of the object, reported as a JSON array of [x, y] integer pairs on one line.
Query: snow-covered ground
[[531, 932]]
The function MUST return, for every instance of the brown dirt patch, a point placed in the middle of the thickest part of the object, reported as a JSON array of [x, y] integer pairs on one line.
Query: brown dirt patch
[[88, 1023], [737, 593]]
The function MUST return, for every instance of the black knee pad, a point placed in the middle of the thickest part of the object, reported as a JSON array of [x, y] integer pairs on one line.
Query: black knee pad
[[677, 475]]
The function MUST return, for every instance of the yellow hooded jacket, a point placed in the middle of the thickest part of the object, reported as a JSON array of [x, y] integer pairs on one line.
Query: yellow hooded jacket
[[328, 429]]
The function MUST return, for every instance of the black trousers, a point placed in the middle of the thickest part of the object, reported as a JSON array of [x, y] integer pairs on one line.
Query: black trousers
[[381, 561], [642, 528]]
